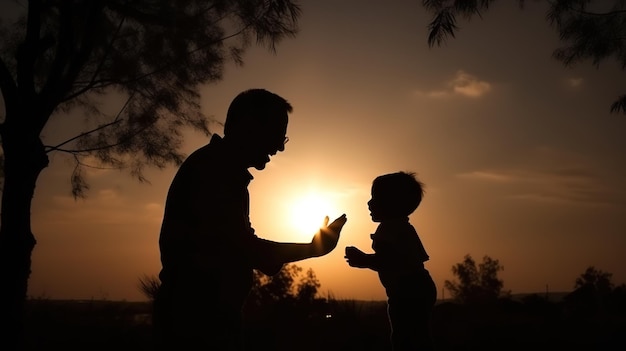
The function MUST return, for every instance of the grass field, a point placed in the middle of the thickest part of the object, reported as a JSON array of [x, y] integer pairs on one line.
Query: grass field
[[531, 323]]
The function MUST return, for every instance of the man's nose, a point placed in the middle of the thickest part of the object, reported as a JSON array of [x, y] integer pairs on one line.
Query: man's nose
[[281, 146]]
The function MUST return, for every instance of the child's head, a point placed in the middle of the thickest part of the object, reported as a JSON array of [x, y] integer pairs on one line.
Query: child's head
[[395, 195]]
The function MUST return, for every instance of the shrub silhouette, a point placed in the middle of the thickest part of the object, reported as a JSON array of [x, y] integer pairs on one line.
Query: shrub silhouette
[[476, 284], [149, 286]]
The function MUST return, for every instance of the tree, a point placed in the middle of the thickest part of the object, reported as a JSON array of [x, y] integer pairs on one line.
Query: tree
[[308, 287], [276, 287], [589, 30], [599, 281], [286, 295], [67, 56], [476, 284], [283, 286], [592, 295]]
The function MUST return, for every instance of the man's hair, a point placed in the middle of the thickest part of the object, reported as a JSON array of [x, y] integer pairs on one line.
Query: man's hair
[[404, 190], [256, 107]]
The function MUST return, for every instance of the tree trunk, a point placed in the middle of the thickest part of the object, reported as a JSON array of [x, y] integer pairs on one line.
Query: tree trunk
[[24, 158]]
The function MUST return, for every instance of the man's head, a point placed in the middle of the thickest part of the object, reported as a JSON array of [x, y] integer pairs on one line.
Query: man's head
[[257, 122]]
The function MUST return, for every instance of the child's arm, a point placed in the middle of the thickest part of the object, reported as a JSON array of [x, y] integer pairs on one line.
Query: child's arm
[[360, 259]]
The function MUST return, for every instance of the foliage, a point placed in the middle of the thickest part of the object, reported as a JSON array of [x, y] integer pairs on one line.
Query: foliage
[[308, 286], [588, 30], [276, 287], [595, 294], [284, 285], [476, 283], [286, 296], [121, 80], [600, 280], [149, 286], [152, 56], [265, 289]]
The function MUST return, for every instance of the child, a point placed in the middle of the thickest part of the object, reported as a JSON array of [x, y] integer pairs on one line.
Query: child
[[399, 258]]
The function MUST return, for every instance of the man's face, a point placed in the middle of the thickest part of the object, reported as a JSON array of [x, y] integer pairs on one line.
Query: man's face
[[267, 143]]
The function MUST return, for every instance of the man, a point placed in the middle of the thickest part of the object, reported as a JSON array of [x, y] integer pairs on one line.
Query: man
[[208, 246]]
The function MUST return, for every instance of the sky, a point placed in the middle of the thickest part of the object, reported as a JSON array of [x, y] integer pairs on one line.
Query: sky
[[521, 157]]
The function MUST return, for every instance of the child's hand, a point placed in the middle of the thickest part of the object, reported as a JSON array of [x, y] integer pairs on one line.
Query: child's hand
[[356, 257]]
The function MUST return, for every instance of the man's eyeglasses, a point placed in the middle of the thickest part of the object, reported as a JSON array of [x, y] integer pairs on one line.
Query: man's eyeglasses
[[281, 146]]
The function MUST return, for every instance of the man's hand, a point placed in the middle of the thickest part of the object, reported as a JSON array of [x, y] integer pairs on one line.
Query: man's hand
[[325, 240], [356, 257]]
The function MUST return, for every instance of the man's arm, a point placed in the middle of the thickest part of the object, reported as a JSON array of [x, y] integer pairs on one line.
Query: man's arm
[[269, 256]]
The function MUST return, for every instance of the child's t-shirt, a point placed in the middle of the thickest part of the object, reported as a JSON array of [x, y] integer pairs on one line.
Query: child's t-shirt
[[400, 256]]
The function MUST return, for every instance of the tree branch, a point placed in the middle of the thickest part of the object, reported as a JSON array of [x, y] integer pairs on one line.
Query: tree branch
[[64, 47], [78, 60], [81, 135], [106, 54]]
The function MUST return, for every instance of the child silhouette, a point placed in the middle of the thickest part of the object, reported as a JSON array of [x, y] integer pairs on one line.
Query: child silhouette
[[399, 258]]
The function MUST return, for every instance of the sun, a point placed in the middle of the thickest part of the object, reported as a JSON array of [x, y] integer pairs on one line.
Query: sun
[[307, 212]]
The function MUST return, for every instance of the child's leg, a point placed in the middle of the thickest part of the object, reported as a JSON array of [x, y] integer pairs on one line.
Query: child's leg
[[410, 327], [410, 317]]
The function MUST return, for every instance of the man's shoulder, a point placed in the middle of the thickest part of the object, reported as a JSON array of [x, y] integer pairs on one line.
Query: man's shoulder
[[205, 155], [213, 146]]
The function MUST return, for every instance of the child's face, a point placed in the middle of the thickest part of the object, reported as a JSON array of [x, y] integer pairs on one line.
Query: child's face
[[379, 204]]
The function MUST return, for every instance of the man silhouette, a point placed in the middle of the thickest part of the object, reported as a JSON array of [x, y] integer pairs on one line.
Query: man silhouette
[[208, 246]]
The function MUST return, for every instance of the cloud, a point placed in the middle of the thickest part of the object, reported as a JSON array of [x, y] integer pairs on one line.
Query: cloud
[[565, 186], [469, 85], [462, 84], [512, 175], [547, 180]]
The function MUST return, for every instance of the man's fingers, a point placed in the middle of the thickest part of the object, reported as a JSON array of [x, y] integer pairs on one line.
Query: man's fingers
[[340, 221]]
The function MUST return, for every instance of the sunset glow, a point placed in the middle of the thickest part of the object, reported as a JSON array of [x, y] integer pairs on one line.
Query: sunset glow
[[527, 168], [306, 214]]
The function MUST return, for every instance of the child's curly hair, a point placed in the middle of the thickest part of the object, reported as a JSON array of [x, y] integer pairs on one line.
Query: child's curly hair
[[404, 191]]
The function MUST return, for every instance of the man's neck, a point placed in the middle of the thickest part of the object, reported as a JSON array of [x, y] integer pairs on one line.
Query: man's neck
[[235, 152]]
